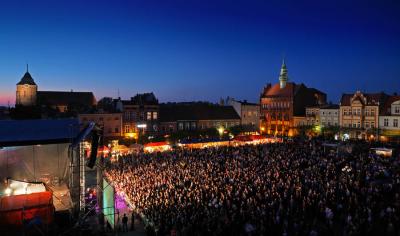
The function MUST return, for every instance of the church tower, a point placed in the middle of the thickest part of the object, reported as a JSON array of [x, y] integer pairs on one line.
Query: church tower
[[283, 76], [26, 90]]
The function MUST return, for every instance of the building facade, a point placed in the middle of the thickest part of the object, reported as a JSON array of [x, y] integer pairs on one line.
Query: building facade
[[192, 116], [27, 94], [26, 91], [329, 115], [283, 101], [249, 112], [140, 115], [359, 112], [389, 119], [312, 116], [111, 123]]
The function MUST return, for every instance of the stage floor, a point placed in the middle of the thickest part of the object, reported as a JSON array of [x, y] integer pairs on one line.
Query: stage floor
[[61, 197]]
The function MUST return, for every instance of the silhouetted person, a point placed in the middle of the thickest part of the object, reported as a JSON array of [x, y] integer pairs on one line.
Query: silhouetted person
[[125, 223], [133, 221]]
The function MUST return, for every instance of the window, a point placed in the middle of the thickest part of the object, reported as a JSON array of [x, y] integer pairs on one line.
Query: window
[[133, 115], [372, 124], [358, 124], [193, 125], [386, 122], [366, 124], [397, 109], [148, 115], [395, 123], [187, 125], [116, 130], [372, 112], [127, 128], [127, 115], [154, 115], [180, 126]]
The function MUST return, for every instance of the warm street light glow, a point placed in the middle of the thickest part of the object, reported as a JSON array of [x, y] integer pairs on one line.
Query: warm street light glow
[[221, 130], [131, 135]]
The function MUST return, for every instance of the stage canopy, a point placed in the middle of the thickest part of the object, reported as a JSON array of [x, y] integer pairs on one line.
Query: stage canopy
[[33, 132]]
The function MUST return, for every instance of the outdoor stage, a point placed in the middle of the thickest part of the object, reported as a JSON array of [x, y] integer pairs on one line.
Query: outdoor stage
[[61, 197]]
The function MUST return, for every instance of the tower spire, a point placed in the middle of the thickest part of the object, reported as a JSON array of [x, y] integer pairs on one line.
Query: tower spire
[[283, 76], [27, 68]]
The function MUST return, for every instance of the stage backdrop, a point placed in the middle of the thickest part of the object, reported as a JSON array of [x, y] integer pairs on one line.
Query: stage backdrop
[[35, 162]]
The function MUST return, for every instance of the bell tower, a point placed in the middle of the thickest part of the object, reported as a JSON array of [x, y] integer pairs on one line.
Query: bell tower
[[26, 90]]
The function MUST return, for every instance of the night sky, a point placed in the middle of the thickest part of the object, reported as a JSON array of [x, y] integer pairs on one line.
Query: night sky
[[199, 50]]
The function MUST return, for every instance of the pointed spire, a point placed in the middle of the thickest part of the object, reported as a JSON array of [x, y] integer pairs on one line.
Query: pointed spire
[[27, 68], [283, 76]]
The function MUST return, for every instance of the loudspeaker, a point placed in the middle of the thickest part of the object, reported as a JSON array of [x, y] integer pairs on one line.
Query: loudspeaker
[[93, 150]]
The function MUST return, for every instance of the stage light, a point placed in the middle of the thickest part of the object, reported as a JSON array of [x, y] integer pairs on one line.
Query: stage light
[[7, 191]]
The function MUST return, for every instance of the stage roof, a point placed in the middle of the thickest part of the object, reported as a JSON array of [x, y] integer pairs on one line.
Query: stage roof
[[33, 132]]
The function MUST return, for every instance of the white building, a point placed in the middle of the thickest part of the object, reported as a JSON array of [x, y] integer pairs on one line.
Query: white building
[[390, 117], [249, 112], [329, 115]]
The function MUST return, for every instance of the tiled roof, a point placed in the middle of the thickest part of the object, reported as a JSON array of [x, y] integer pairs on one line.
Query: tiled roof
[[276, 90], [388, 104], [26, 79], [175, 112], [330, 106], [142, 99], [372, 98], [65, 98]]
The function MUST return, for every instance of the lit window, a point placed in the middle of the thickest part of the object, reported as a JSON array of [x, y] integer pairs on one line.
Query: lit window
[[127, 128], [154, 115], [395, 123], [148, 115]]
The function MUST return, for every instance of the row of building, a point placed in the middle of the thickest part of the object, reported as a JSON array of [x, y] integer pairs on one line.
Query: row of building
[[284, 109], [287, 106]]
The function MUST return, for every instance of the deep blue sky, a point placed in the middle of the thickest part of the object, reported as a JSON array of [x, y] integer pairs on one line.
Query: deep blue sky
[[199, 50]]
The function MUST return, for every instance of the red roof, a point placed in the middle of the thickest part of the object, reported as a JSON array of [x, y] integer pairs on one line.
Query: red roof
[[276, 90]]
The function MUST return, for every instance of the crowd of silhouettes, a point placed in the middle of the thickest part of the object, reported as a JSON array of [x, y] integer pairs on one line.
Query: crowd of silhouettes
[[292, 188]]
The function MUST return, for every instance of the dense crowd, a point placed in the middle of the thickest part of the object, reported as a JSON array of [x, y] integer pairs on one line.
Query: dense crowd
[[272, 189]]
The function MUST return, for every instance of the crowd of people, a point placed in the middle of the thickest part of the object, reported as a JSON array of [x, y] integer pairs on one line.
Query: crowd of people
[[293, 188]]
